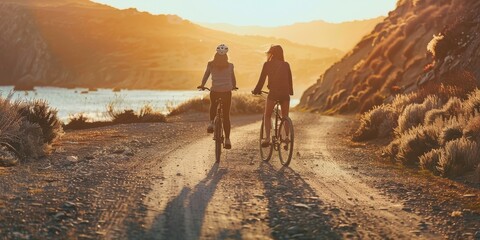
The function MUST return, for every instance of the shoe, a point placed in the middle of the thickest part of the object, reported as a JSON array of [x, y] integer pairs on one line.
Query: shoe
[[265, 143], [228, 144], [210, 128]]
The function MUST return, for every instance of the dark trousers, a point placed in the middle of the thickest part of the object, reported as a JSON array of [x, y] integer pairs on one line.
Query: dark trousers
[[226, 103]]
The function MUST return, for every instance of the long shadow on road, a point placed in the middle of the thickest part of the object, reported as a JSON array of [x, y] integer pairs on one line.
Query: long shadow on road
[[184, 215], [295, 210]]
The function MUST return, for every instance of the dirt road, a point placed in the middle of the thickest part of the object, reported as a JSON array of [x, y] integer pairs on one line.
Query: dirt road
[[242, 197], [160, 181]]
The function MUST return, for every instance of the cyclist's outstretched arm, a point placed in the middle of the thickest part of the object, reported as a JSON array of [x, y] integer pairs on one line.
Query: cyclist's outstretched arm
[[261, 80], [234, 80], [206, 75]]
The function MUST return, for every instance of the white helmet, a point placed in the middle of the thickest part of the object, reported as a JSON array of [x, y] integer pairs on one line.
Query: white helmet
[[222, 49]]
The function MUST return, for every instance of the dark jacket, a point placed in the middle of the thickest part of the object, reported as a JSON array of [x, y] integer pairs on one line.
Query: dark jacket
[[279, 77]]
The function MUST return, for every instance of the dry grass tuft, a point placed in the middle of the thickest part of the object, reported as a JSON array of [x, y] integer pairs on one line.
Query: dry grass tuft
[[416, 142], [378, 122], [429, 160], [458, 157], [40, 113], [442, 139], [414, 114], [27, 129]]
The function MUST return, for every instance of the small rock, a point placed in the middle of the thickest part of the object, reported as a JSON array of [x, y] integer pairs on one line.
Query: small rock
[[118, 151], [456, 214], [69, 205], [59, 216], [293, 229], [72, 159], [179, 174], [301, 205], [89, 157], [406, 209], [477, 235], [298, 235]]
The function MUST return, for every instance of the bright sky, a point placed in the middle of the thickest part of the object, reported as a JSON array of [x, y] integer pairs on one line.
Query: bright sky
[[261, 12]]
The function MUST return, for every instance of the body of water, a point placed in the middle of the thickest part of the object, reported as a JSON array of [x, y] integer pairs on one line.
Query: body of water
[[94, 103]]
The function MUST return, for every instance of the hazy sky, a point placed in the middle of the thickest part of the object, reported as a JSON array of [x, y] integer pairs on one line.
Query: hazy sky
[[261, 12]]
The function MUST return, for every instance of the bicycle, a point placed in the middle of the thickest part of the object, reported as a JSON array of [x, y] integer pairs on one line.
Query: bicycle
[[218, 128], [282, 138]]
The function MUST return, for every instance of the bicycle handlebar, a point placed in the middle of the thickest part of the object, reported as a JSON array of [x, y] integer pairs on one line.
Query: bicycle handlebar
[[205, 88], [261, 92]]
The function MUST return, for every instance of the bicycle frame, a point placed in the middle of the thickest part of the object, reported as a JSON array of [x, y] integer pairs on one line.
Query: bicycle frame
[[220, 115]]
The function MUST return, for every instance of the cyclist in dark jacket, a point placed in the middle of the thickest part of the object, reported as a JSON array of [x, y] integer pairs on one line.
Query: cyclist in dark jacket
[[223, 82], [280, 86]]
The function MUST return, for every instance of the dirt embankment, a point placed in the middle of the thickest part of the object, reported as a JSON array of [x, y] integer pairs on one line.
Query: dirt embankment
[[159, 181]]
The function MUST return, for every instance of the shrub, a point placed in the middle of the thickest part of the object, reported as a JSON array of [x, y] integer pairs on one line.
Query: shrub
[[416, 142], [429, 160], [40, 113], [459, 156], [403, 100], [414, 114], [148, 114], [195, 104], [378, 122], [32, 143], [453, 106], [450, 133], [10, 123], [392, 148], [472, 130], [241, 104], [77, 121], [472, 104], [247, 104]]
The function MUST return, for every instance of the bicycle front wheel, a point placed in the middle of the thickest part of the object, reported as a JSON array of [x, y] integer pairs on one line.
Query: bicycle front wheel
[[218, 139], [265, 152], [286, 139]]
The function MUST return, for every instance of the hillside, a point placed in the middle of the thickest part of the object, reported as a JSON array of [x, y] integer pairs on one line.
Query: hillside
[[73, 43], [394, 59], [341, 36]]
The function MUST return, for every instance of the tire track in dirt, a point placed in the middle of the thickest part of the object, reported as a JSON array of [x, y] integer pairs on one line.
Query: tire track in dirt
[[243, 198], [358, 209]]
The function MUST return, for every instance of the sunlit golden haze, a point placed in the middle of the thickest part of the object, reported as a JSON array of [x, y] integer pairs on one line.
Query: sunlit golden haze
[[264, 12], [81, 43]]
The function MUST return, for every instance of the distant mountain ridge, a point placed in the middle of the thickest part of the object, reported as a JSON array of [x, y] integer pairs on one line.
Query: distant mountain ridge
[[421, 43], [319, 33], [78, 43]]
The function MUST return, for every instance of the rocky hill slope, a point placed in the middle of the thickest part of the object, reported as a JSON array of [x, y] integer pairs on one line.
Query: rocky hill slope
[[341, 36], [78, 43], [420, 43]]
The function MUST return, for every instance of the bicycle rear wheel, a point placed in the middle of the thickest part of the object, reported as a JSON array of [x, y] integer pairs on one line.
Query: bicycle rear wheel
[[286, 138], [265, 152], [218, 139]]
